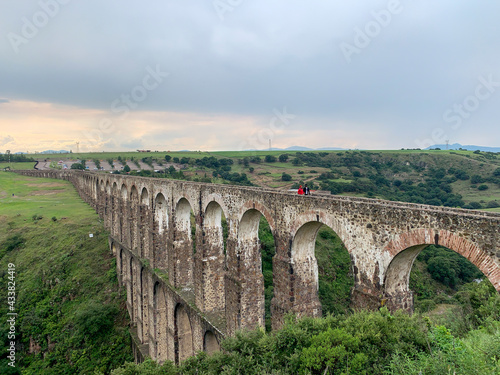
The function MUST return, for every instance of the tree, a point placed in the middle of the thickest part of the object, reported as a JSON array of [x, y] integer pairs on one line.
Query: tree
[[126, 168], [283, 158], [493, 204], [168, 158], [286, 177], [270, 159], [482, 187], [476, 179], [79, 166]]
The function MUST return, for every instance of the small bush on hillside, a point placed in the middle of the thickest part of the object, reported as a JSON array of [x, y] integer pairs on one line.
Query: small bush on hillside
[[36, 217], [13, 242], [95, 319]]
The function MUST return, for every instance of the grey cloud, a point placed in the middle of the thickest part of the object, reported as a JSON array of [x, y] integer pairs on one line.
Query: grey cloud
[[262, 55]]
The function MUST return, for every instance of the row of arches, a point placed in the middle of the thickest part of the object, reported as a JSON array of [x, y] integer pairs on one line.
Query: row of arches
[[172, 219], [163, 321]]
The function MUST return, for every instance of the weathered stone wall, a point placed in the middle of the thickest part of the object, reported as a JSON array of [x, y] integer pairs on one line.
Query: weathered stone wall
[[183, 301]]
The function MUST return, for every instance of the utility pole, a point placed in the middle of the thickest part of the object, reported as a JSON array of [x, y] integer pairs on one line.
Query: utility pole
[[8, 153], [447, 142]]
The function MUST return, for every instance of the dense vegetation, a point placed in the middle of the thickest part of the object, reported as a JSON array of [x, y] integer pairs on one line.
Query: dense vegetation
[[72, 317], [14, 158], [361, 343]]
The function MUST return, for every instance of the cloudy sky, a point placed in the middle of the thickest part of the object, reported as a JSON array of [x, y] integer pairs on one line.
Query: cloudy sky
[[232, 74]]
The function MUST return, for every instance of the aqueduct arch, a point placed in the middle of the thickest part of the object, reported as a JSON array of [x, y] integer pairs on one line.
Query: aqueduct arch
[[405, 248], [134, 224], [210, 262], [210, 343], [131, 290], [250, 268], [305, 267], [160, 225], [181, 260], [159, 323], [144, 225], [183, 334]]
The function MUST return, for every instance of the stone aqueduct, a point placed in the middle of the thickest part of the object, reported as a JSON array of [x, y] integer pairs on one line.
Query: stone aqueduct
[[182, 301]]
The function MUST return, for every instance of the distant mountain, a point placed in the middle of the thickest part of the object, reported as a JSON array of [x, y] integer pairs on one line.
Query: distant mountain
[[55, 152], [298, 148], [456, 146]]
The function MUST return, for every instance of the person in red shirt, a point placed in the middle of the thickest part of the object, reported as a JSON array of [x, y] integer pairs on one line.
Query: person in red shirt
[[300, 191]]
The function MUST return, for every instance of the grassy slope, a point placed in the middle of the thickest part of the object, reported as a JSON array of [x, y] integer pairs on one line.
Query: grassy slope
[[72, 317], [26, 165]]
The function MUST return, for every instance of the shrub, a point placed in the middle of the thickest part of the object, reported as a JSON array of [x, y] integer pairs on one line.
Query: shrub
[[36, 217], [286, 177], [95, 319], [476, 179], [283, 158], [482, 187], [473, 206], [13, 242], [79, 166], [493, 204], [425, 305]]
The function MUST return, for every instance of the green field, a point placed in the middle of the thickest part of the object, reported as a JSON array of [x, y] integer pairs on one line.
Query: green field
[[21, 196], [70, 308], [19, 166]]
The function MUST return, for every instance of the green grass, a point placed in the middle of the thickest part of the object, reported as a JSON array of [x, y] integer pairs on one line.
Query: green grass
[[20, 196], [492, 209], [473, 194], [19, 166], [68, 300]]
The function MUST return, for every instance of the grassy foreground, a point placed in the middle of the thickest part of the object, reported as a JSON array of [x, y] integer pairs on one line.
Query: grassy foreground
[[71, 315]]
